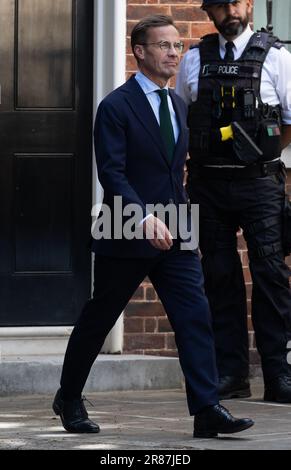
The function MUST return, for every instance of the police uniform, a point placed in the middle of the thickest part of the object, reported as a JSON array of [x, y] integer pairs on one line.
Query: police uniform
[[236, 111]]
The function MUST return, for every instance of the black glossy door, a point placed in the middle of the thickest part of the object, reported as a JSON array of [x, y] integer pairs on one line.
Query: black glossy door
[[45, 160]]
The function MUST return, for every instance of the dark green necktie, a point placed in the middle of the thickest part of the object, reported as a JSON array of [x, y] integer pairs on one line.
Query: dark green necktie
[[166, 124]]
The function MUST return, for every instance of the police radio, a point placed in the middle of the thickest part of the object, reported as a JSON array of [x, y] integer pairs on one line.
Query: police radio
[[249, 103]]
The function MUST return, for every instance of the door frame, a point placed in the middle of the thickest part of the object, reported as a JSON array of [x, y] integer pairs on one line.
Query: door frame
[[110, 41]]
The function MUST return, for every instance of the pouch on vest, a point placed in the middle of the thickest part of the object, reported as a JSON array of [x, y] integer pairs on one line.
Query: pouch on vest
[[244, 146], [287, 227], [269, 139]]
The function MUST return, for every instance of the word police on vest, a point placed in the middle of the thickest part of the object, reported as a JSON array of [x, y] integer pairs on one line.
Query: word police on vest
[[220, 69]]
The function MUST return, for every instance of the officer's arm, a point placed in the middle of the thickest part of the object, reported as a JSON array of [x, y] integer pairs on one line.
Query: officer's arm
[[286, 136], [188, 76]]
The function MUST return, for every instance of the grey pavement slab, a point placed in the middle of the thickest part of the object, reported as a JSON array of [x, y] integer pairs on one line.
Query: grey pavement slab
[[144, 420]]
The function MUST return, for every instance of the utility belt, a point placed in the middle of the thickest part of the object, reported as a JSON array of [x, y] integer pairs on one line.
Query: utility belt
[[258, 170], [244, 143]]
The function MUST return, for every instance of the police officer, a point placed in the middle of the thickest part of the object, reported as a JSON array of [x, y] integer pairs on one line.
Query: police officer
[[238, 87]]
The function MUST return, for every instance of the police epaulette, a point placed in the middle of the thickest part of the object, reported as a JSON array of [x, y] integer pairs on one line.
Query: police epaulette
[[209, 36], [263, 40], [260, 40], [274, 39], [259, 45], [278, 44]]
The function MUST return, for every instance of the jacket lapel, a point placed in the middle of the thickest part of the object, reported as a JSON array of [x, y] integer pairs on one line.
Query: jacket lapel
[[181, 122], [142, 109]]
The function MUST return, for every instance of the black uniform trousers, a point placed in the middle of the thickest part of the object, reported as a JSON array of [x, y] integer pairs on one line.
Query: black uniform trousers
[[255, 206], [178, 279]]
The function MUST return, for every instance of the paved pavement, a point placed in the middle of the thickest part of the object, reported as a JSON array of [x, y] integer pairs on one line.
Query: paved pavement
[[144, 420]]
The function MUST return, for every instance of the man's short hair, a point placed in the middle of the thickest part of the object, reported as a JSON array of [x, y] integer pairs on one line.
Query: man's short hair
[[139, 32]]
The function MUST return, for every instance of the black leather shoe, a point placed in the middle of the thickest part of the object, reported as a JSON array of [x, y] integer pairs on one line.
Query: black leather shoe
[[233, 387], [215, 420], [74, 415], [278, 390]]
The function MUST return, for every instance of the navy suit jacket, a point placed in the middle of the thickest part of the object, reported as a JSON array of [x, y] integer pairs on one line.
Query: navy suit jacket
[[132, 161]]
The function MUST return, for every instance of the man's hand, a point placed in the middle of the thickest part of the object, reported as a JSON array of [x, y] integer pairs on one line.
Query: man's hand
[[157, 233], [186, 171]]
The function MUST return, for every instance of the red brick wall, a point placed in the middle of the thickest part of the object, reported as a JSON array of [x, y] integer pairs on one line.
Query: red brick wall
[[191, 20], [147, 330]]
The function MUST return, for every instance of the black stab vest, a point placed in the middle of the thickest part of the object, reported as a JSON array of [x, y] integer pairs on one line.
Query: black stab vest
[[229, 92]]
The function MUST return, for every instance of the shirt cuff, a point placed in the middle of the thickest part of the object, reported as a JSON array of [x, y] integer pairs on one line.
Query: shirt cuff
[[143, 220]]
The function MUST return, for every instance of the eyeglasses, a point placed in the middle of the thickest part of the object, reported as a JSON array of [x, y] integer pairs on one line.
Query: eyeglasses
[[166, 46]]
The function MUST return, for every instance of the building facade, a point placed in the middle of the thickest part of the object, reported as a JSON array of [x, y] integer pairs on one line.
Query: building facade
[[61, 58]]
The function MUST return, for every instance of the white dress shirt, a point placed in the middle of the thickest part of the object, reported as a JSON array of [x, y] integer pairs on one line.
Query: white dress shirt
[[149, 88], [275, 82]]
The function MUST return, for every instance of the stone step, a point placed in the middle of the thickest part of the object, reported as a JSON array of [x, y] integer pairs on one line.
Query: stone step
[[41, 374]]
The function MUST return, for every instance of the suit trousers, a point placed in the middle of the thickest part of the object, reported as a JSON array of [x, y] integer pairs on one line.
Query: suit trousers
[[177, 277]]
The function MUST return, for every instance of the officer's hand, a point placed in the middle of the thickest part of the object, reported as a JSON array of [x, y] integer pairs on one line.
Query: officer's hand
[[157, 233]]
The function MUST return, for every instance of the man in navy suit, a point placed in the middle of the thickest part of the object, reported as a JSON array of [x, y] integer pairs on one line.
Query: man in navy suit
[[141, 141]]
